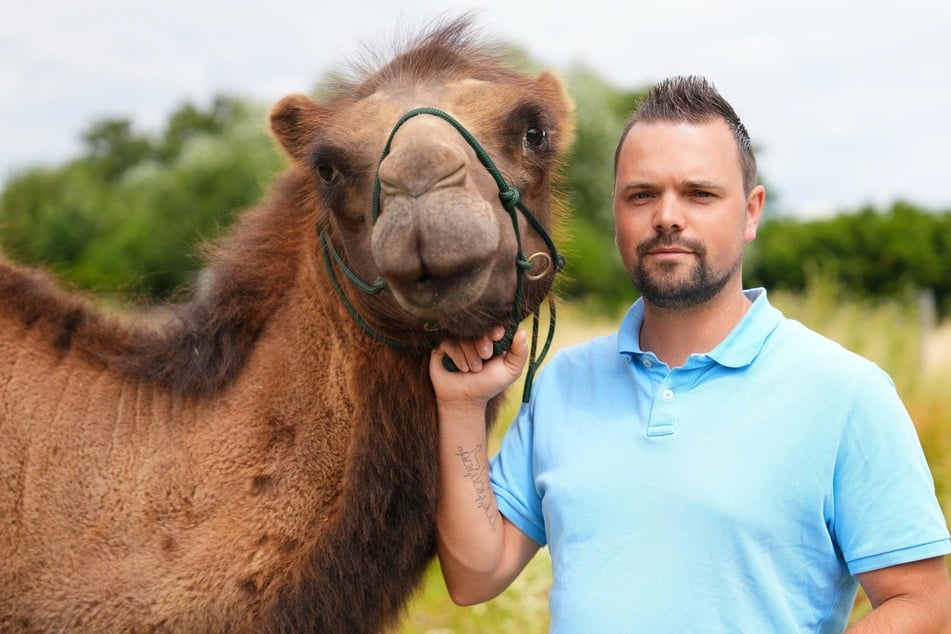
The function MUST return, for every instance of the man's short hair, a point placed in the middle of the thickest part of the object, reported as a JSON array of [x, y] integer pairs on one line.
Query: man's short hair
[[692, 99]]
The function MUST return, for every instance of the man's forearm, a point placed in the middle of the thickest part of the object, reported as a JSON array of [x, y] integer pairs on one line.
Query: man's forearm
[[468, 519], [907, 598]]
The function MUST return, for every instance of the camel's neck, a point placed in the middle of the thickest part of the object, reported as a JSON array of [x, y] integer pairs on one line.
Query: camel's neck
[[381, 537], [361, 571]]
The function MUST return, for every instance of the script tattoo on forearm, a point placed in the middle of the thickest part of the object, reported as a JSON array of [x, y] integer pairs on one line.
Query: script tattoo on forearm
[[477, 474]]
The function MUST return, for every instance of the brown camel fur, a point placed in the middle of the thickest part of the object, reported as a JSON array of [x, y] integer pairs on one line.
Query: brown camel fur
[[252, 460]]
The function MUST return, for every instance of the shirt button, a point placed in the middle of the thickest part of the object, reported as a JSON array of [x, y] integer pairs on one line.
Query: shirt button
[[647, 362], [668, 394]]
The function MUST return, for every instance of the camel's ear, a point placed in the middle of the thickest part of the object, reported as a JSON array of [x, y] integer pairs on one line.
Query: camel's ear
[[294, 120], [553, 91]]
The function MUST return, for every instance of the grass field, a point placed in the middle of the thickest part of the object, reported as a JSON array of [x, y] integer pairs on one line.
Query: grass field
[[913, 351]]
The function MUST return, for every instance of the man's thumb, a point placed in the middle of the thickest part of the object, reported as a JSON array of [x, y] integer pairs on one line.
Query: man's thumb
[[518, 352]]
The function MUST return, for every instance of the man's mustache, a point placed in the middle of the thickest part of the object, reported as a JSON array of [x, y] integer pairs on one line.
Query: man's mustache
[[668, 240]]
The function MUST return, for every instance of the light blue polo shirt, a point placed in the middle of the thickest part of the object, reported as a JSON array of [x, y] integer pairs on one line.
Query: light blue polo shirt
[[739, 493]]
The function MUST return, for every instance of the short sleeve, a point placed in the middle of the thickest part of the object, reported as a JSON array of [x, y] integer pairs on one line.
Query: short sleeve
[[513, 480], [885, 509]]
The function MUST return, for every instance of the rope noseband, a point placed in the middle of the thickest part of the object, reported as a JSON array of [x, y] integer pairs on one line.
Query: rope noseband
[[509, 195]]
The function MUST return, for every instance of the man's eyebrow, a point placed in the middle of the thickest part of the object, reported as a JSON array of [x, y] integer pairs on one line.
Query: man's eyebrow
[[637, 185], [687, 184], [701, 184]]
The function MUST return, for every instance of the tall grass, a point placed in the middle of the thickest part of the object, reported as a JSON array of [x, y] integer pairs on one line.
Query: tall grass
[[890, 333]]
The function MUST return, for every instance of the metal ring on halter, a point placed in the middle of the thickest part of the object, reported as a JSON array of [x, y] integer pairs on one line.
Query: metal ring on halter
[[545, 269]]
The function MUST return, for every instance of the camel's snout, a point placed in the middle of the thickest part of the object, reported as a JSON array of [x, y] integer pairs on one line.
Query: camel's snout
[[437, 234]]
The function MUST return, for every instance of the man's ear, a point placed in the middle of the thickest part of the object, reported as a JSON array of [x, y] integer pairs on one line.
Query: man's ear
[[754, 211]]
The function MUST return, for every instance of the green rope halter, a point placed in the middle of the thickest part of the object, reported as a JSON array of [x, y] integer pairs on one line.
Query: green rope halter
[[512, 203]]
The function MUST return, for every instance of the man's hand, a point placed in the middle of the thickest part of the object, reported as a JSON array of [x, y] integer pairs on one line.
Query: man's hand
[[480, 377]]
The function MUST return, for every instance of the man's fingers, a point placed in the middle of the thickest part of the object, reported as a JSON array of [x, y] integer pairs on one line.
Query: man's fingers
[[454, 350], [470, 355], [518, 353]]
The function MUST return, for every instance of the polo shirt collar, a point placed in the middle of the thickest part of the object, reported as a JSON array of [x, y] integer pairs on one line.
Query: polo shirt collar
[[737, 349]]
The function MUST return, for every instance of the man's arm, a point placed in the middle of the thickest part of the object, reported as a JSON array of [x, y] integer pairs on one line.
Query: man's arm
[[479, 550], [907, 598]]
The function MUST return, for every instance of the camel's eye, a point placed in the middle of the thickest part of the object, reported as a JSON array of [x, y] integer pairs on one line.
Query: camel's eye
[[536, 138], [327, 172], [529, 124], [330, 163]]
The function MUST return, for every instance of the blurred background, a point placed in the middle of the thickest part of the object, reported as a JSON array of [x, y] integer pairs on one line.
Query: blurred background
[[132, 132]]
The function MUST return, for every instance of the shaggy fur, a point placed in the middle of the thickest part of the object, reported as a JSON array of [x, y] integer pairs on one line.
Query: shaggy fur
[[251, 460]]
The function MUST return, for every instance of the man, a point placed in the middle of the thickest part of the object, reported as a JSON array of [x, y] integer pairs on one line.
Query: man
[[712, 466]]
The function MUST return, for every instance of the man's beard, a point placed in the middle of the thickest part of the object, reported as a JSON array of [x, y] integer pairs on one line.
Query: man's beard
[[670, 290]]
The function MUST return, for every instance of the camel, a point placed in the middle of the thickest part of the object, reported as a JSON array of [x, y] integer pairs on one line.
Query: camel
[[261, 456]]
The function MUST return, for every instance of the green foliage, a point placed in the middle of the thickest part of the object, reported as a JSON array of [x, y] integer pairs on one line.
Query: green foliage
[[595, 274], [872, 253], [601, 111], [189, 122], [126, 217], [45, 214], [112, 146]]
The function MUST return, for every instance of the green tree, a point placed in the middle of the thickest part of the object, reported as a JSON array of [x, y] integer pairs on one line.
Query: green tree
[[595, 274], [112, 147], [190, 121], [128, 215], [48, 215], [872, 253]]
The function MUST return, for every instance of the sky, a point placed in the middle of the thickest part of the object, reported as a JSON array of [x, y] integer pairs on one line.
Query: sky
[[848, 102]]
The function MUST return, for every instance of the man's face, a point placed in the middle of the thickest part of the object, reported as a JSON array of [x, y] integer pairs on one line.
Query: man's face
[[681, 216]]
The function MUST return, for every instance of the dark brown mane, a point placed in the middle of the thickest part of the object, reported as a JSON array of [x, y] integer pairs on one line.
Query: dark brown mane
[[446, 48], [66, 320]]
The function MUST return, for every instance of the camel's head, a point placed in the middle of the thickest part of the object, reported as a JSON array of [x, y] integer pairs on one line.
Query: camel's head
[[407, 198]]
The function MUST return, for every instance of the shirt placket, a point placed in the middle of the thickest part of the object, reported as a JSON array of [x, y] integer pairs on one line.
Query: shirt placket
[[663, 414]]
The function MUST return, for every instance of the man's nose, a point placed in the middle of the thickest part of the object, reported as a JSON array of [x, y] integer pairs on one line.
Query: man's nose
[[668, 215]]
